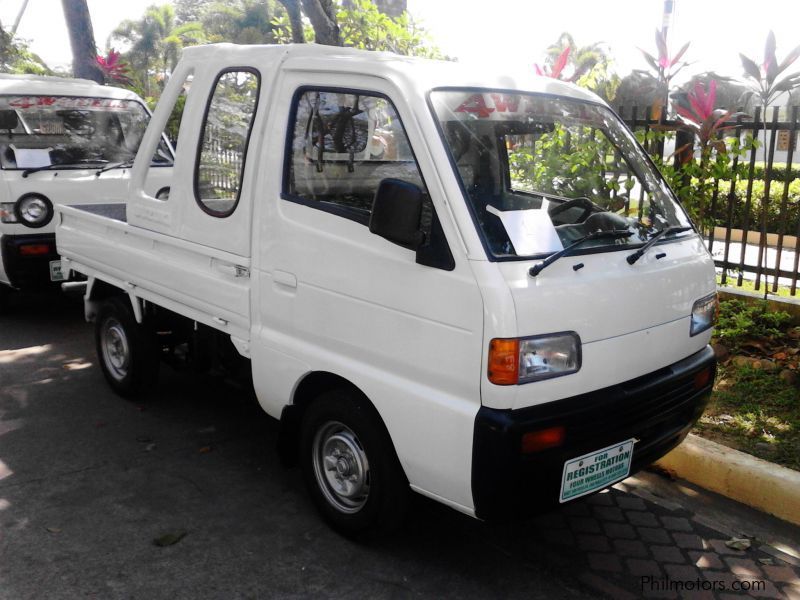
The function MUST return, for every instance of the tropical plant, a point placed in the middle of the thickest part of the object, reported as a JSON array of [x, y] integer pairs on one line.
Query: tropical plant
[[362, 25], [15, 57], [665, 67], [704, 121], [154, 43], [767, 84], [114, 69], [590, 65]]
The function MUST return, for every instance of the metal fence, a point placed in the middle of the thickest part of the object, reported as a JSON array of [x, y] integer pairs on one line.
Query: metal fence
[[756, 232]]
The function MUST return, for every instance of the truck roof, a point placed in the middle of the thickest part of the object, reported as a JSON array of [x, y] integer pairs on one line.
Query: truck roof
[[418, 73], [45, 85]]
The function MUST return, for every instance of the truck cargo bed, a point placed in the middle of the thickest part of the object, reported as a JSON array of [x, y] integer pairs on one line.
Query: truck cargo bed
[[202, 283]]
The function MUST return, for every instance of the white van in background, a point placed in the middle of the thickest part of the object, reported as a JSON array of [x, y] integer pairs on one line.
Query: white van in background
[[62, 141]]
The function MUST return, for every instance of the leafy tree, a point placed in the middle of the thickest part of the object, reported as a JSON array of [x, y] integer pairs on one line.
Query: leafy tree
[[588, 66], [238, 21], [363, 26], [154, 43], [15, 57]]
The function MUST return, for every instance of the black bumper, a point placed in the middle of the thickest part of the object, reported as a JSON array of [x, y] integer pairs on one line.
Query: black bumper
[[28, 272], [657, 409]]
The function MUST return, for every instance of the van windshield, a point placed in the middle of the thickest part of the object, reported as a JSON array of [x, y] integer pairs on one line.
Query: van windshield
[[541, 172], [71, 131]]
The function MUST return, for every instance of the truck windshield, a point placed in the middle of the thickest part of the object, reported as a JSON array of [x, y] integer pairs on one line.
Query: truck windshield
[[541, 172], [51, 131]]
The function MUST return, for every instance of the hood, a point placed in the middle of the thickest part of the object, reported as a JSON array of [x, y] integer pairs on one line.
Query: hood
[[608, 297]]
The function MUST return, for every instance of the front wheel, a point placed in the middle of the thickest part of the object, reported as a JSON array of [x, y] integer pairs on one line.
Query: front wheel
[[126, 350], [350, 466]]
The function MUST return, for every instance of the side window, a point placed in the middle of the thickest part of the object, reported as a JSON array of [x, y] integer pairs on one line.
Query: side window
[[343, 144], [223, 146]]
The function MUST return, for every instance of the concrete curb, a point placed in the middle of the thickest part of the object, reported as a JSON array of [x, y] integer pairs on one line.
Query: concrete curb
[[763, 485]]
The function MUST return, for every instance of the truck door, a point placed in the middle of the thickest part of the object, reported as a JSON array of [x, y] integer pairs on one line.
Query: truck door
[[338, 298]]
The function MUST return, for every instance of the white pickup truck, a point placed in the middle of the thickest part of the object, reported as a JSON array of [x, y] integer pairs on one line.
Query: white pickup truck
[[62, 141], [469, 284]]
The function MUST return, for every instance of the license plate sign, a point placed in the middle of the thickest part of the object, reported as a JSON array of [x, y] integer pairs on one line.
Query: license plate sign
[[56, 272], [596, 470]]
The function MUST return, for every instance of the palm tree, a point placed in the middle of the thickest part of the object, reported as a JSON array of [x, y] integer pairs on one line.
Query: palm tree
[[81, 37], [154, 43]]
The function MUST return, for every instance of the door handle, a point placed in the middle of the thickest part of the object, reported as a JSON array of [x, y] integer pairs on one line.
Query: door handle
[[285, 279]]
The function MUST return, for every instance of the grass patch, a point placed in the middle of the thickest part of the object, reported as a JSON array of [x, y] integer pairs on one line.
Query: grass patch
[[784, 291], [755, 406], [755, 411]]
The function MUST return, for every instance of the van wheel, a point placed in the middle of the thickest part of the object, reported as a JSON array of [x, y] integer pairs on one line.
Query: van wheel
[[5, 293], [350, 466], [126, 350]]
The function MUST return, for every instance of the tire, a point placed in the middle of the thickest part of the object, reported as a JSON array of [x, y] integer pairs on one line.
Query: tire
[[350, 467], [127, 351], [5, 293]]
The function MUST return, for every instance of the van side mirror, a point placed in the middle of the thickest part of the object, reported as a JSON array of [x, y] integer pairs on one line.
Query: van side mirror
[[397, 213], [9, 119]]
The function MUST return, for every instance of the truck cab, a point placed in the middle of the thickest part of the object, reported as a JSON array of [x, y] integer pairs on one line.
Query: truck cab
[[469, 284], [62, 141]]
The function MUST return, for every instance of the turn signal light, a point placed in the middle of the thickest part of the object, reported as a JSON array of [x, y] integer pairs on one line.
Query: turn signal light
[[536, 441], [504, 361], [34, 249]]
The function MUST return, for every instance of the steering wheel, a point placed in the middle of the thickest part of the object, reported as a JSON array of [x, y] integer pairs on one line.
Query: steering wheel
[[588, 208]]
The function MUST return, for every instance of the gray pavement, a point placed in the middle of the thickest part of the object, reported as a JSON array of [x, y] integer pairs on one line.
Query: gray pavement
[[89, 481]]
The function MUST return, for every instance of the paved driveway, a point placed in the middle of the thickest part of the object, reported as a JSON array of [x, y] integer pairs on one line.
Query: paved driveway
[[88, 482]]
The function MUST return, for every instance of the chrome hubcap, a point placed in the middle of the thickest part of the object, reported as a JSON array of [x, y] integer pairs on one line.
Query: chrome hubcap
[[341, 467], [116, 352]]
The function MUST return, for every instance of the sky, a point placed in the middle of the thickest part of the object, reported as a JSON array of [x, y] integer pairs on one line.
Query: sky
[[511, 32]]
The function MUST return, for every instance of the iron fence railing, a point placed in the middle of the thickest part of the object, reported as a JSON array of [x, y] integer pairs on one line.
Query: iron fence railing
[[756, 211]]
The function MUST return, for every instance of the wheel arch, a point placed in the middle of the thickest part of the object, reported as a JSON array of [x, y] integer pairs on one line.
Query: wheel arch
[[306, 391]]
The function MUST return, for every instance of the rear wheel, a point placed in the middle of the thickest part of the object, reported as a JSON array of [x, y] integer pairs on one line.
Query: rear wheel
[[5, 293], [350, 466], [127, 350]]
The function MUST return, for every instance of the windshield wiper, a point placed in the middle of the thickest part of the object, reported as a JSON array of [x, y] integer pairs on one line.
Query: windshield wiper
[[56, 166], [632, 258], [118, 165], [596, 235]]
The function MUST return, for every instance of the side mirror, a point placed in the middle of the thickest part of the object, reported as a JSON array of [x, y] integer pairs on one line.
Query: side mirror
[[397, 213], [9, 119]]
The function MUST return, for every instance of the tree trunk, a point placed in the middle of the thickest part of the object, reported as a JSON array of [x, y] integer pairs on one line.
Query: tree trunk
[[392, 8], [81, 38], [322, 14], [295, 20]]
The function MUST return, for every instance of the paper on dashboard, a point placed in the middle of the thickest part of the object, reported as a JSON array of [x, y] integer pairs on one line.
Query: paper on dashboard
[[531, 231]]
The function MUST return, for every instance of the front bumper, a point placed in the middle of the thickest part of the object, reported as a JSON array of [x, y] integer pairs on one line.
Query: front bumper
[[657, 409], [28, 272]]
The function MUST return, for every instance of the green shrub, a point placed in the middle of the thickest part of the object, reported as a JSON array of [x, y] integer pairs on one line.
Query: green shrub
[[739, 321], [755, 213]]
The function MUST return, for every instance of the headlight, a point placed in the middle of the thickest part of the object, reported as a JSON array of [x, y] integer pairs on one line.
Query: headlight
[[704, 314], [33, 210], [522, 360], [7, 212]]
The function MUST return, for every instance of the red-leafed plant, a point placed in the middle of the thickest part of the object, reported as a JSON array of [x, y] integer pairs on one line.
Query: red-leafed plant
[[114, 68], [665, 67], [767, 84], [557, 70], [705, 121]]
